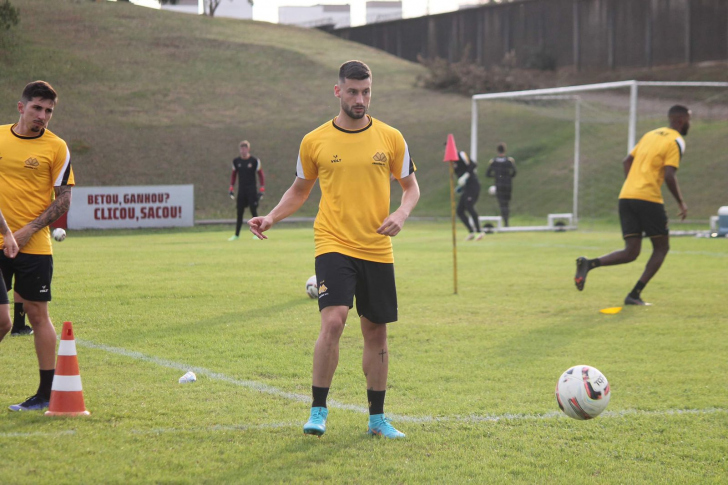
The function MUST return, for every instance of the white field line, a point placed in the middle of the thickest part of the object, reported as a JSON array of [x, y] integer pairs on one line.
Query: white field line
[[260, 387], [253, 385], [265, 388], [472, 419]]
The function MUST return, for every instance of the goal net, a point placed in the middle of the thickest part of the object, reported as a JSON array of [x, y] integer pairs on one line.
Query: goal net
[[569, 143]]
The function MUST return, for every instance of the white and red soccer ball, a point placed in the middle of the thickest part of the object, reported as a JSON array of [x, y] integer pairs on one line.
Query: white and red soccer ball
[[312, 287], [582, 392]]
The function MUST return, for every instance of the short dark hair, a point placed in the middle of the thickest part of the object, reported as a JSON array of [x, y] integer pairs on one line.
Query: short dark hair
[[678, 110], [354, 70], [501, 147], [39, 89]]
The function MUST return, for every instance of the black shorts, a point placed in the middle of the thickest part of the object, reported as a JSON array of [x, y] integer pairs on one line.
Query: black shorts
[[4, 300], [641, 216], [247, 197], [33, 274], [503, 192], [341, 278]]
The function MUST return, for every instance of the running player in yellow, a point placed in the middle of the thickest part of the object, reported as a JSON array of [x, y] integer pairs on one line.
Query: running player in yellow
[[655, 159], [35, 164], [353, 157]]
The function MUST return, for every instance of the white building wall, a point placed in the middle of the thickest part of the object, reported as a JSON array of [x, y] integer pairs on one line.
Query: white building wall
[[383, 11], [316, 16], [237, 9]]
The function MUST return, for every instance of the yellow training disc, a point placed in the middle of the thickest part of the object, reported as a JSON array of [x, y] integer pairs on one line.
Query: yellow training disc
[[612, 310]]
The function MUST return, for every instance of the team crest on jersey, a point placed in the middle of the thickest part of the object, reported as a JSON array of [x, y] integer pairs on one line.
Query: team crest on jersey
[[32, 163], [250, 165], [380, 157], [322, 289], [336, 159]]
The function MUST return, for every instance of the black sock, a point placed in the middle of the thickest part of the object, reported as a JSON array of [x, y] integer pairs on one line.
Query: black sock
[[18, 316], [635, 293], [319, 396], [376, 401], [594, 263], [46, 382]]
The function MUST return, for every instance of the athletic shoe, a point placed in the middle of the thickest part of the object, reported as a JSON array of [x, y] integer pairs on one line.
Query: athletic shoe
[[480, 236], [635, 301], [379, 425], [582, 268], [233, 238], [316, 424], [470, 236], [24, 330], [34, 403]]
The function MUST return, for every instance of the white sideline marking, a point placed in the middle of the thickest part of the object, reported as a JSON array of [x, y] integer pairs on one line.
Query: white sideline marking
[[473, 419], [256, 386]]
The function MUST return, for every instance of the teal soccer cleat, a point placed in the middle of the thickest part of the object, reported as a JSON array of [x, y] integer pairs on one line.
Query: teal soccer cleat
[[379, 425], [33, 403], [316, 424]]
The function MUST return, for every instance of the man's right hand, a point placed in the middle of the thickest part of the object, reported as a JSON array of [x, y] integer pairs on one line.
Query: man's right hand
[[231, 192], [683, 213], [258, 225], [10, 248]]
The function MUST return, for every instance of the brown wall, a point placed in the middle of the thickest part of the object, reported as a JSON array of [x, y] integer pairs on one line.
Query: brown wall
[[587, 34]]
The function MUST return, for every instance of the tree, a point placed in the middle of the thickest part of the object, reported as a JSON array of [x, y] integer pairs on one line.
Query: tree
[[9, 16]]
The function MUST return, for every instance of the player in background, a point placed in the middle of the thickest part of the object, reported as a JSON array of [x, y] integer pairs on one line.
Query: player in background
[[10, 250], [469, 187], [36, 164], [653, 160], [352, 156], [245, 168], [503, 169]]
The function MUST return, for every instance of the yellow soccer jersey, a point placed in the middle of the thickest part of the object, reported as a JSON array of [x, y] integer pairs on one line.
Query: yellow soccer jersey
[[29, 169], [657, 149], [353, 168]]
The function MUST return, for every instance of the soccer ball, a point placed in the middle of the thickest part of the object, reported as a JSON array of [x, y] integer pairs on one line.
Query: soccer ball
[[491, 190], [582, 392], [312, 287], [59, 234]]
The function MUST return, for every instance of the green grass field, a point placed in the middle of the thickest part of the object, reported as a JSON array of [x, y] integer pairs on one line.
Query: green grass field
[[471, 381]]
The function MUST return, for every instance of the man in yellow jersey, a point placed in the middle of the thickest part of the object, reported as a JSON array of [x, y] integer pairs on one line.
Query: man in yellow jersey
[[34, 164], [655, 159], [353, 156]]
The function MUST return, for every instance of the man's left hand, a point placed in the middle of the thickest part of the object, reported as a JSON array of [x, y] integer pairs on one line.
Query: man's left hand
[[392, 224]]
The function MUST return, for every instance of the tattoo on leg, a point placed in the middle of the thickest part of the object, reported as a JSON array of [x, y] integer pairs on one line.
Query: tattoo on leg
[[383, 353]]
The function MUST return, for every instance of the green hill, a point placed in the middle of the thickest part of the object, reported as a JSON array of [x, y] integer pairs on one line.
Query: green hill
[[153, 97]]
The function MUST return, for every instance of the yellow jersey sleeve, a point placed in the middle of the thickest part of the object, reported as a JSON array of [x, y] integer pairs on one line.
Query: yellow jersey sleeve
[[673, 153], [402, 164], [306, 167], [61, 171]]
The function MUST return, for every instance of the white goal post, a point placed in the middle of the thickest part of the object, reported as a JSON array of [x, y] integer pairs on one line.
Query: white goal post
[[576, 93]]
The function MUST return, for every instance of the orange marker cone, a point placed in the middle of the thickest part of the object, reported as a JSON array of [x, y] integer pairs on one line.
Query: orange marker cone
[[451, 152], [67, 393]]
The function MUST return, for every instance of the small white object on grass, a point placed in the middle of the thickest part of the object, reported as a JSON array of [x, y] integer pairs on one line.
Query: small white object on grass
[[188, 377]]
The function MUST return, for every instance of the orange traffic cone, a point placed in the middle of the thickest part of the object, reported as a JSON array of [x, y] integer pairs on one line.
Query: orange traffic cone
[[67, 393], [451, 152]]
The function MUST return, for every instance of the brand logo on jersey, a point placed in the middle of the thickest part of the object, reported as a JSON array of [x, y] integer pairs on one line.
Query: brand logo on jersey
[[44, 289], [379, 159], [336, 159], [32, 163]]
